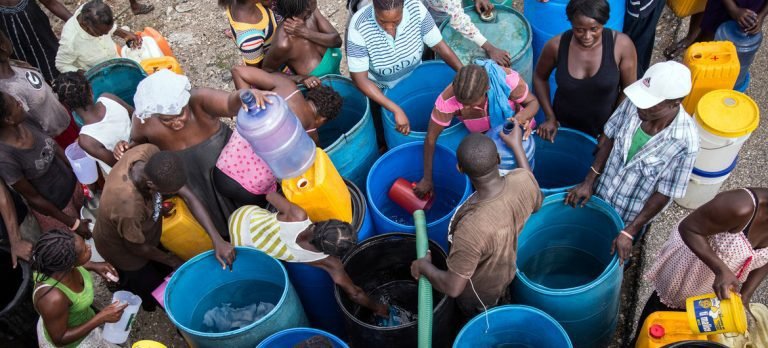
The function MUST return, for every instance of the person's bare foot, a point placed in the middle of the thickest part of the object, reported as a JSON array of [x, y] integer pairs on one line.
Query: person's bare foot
[[140, 9]]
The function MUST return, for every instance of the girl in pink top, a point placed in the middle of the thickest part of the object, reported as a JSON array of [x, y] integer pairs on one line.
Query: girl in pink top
[[722, 245], [466, 98]]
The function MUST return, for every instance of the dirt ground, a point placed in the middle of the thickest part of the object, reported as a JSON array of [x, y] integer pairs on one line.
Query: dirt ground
[[195, 32]]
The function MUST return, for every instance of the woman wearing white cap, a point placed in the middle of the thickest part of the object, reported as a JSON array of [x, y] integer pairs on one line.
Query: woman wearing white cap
[[646, 152]]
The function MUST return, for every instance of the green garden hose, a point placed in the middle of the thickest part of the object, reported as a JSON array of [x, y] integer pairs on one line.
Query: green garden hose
[[425, 288]]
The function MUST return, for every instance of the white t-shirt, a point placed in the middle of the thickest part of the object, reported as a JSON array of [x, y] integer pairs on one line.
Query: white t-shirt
[[387, 59]]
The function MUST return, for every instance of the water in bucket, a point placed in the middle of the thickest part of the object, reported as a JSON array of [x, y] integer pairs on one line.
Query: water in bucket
[[83, 166], [445, 200], [238, 294], [562, 267], [118, 332]]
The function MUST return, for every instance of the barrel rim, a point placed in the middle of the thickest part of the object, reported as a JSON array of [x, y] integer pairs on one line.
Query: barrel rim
[[613, 266], [401, 235], [528, 43], [552, 190], [515, 307], [24, 287], [388, 118], [360, 123], [210, 253], [390, 153], [111, 64], [711, 175], [264, 343]]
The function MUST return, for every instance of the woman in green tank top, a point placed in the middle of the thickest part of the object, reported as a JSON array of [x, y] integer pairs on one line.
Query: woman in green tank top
[[64, 292]]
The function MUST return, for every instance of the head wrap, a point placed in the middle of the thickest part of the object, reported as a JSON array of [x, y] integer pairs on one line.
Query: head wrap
[[163, 92]]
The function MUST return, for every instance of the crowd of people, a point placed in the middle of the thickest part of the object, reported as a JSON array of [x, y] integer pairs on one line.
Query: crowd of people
[[172, 142]]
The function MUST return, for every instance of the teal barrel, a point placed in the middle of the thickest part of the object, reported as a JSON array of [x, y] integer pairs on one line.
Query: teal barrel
[[509, 31], [563, 164], [119, 76], [507, 3], [565, 268], [548, 20], [350, 139], [406, 161], [200, 285], [416, 95], [292, 337], [512, 326]]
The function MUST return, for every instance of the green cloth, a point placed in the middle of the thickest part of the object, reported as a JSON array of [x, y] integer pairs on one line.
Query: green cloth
[[638, 141], [330, 63], [80, 311]]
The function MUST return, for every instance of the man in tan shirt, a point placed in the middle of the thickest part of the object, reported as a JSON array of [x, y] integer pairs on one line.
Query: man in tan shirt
[[483, 231]]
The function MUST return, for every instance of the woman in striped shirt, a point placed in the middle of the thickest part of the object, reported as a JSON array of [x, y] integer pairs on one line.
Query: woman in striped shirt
[[288, 235], [252, 25]]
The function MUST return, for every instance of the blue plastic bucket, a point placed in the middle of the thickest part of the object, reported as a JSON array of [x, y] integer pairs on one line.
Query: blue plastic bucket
[[119, 76], [548, 19], [565, 163], [510, 32], [565, 268], [350, 138], [416, 95], [291, 337], [512, 326], [200, 285], [407, 161]]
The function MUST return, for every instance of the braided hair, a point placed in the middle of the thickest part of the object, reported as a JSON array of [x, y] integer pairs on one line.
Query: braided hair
[[292, 8], [73, 89], [386, 5], [54, 252], [334, 237], [470, 83], [327, 101]]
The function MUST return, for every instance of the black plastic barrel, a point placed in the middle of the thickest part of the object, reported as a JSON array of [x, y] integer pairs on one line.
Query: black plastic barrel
[[18, 318], [381, 266]]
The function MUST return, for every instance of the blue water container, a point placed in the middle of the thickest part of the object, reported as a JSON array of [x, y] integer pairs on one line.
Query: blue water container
[[350, 139], [451, 188], [565, 163], [512, 326], [508, 161], [416, 95], [746, 47], [565, 268], [276, 135], [119, 76], [744, 85], [509, 31], [548, 19], [200, 285], [292, 337]]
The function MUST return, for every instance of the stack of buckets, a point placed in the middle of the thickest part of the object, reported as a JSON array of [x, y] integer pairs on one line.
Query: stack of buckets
[[725, 119]]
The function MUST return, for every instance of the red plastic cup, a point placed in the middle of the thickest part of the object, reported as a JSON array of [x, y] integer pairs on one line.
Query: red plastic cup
[[402, 194]]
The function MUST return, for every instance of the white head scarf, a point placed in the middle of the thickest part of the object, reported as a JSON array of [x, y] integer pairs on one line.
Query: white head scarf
[[163, 92]]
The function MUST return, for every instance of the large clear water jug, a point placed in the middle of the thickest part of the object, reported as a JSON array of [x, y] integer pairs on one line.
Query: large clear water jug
[[746, 45], [276, 135]]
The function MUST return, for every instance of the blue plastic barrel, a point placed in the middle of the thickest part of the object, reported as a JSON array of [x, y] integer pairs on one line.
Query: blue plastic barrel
[[746, 47], [200, 285], [565, 163], [119, 76], [509, 31], [548, 19], [416, 95], [350, 139], [565, 268], [406, 161], [512, 326], [508, 161], [292, 337], [744, 85]]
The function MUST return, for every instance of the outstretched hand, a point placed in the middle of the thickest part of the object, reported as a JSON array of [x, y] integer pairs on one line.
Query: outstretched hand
[[225, 254]]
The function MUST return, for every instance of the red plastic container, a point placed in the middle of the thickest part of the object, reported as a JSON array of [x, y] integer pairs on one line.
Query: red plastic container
[[402, 194]]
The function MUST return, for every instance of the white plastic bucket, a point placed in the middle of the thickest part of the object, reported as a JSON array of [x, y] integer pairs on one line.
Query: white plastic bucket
[[703, 186], [716, 153], [87, 214], [149, 49], [83, 166], [117, 333]]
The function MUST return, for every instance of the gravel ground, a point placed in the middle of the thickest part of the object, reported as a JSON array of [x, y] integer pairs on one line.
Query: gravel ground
[[195, 32]]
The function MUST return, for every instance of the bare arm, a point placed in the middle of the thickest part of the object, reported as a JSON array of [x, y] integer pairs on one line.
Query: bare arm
[[57, 9], [581, 194], [627, 64], [327, 35], [446, 53], [224, 251], [446, 282], [752, 283], [433, 132], [54, 309], [288, 209], [251, 77], [530, 104], [544, 67], [335, 269], [277, 56], [652, 207], [217, 103], [365, 85], [96, 149], [19, 248]]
